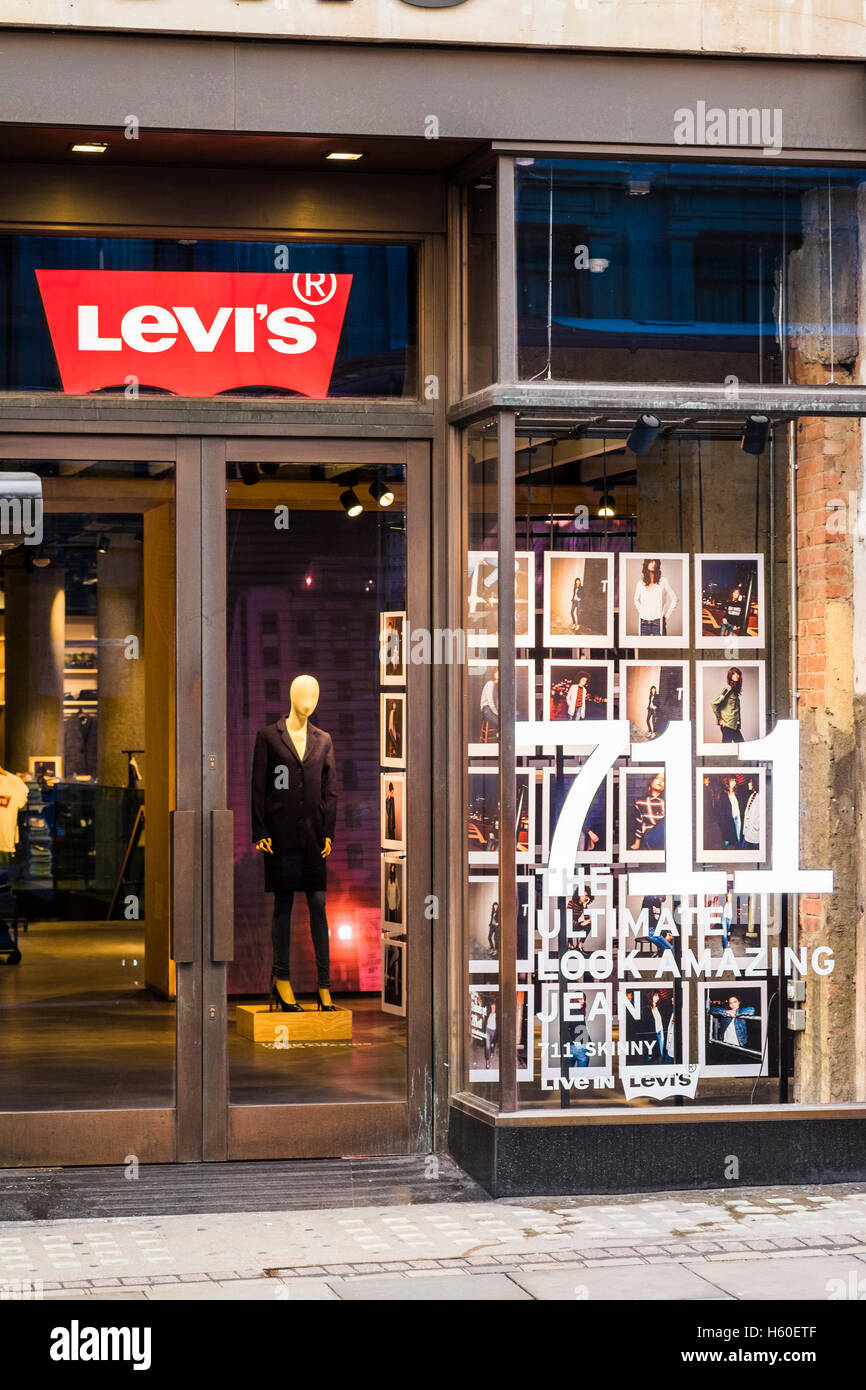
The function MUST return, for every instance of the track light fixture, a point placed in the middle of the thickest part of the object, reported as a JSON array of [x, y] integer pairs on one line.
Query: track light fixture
[[606, 505], [644, 434], [250, 473], [102, 544], [351, 502], [269, 470], [755, 434], [382, 494]]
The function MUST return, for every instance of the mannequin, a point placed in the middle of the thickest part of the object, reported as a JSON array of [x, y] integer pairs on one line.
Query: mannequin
[[294, 812]]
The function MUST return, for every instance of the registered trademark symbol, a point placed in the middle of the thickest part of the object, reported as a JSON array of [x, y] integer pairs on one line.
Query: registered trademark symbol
[[317, 289]]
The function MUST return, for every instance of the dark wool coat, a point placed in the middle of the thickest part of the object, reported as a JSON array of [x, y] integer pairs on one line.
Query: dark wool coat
[[293, 803]]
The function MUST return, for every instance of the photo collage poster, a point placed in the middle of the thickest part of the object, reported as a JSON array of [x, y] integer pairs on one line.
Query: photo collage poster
[[635, 988], [393, 658]]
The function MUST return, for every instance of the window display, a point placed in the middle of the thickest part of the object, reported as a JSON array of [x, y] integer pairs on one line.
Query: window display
[[294, 814], [393, 637], [651, 793], [318, 727]]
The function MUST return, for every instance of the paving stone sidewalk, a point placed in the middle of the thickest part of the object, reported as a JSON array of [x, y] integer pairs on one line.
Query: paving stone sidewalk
[[795, 1243]]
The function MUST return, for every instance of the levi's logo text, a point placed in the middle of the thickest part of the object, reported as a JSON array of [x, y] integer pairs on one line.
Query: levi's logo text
[[194, 333]]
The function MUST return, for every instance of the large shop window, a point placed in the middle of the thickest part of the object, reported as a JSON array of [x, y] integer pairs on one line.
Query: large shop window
[[319, 775], [651, 616], [683, 272], [87, 785], [205, 318]]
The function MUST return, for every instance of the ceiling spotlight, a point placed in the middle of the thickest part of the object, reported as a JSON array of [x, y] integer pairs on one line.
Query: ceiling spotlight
[[351, 502], [644, 434], [346, 155], [308, 580], [102, 544], [89, 147], [42, 561], [606, 505], [269, 470], [250, 473], [483, 185], [755, 434], [382, 494]]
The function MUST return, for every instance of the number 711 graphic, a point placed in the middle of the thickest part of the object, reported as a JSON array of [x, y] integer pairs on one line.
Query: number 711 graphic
[[608, 740]]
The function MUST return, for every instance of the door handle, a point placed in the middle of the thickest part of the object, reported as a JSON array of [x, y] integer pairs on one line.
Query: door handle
[[183, 847], [222, 879]]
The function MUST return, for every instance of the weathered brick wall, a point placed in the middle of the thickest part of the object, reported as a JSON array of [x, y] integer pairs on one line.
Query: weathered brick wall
[[828, 476]]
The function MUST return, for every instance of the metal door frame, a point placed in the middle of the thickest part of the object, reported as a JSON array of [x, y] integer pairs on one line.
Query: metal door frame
[[327, 1128], [152, 1135]]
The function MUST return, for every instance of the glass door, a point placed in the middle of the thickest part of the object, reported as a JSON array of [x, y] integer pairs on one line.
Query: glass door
[[319, 838], [91, 779]]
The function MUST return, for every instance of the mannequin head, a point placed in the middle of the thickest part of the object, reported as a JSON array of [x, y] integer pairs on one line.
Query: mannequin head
[[304, 695]]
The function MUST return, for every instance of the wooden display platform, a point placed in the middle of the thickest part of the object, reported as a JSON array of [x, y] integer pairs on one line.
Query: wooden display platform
[[260, 1024]]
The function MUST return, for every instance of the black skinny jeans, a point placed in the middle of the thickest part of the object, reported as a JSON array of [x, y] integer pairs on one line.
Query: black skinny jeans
[[282, 935]]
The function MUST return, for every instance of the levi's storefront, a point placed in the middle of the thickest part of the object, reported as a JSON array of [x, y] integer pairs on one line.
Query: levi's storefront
[[205, 909], [318, 839]]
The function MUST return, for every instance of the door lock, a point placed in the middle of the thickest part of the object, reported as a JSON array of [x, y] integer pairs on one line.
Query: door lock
[[211, 1013]]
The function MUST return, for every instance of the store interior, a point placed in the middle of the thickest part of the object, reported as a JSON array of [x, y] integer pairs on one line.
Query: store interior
[[87, 748]]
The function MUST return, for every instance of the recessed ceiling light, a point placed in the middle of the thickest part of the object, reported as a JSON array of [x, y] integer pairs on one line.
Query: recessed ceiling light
[[90, 147], [343, 154]]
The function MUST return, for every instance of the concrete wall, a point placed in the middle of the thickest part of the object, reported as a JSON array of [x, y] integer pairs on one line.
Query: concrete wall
[[829, 28]]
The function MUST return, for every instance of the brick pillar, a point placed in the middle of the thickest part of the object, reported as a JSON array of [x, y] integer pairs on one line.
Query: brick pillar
[[828, 472]]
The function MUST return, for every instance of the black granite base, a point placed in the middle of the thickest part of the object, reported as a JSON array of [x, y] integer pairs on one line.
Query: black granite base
[[575, 1160]]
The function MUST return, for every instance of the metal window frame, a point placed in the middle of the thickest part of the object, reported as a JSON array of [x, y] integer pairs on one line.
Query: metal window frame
[[503, 402]]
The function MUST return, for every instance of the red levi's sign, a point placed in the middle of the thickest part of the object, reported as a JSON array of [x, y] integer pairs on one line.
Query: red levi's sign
[[194, 333]]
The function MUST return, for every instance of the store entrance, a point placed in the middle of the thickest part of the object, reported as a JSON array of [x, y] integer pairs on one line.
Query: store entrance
[[160, 596]]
